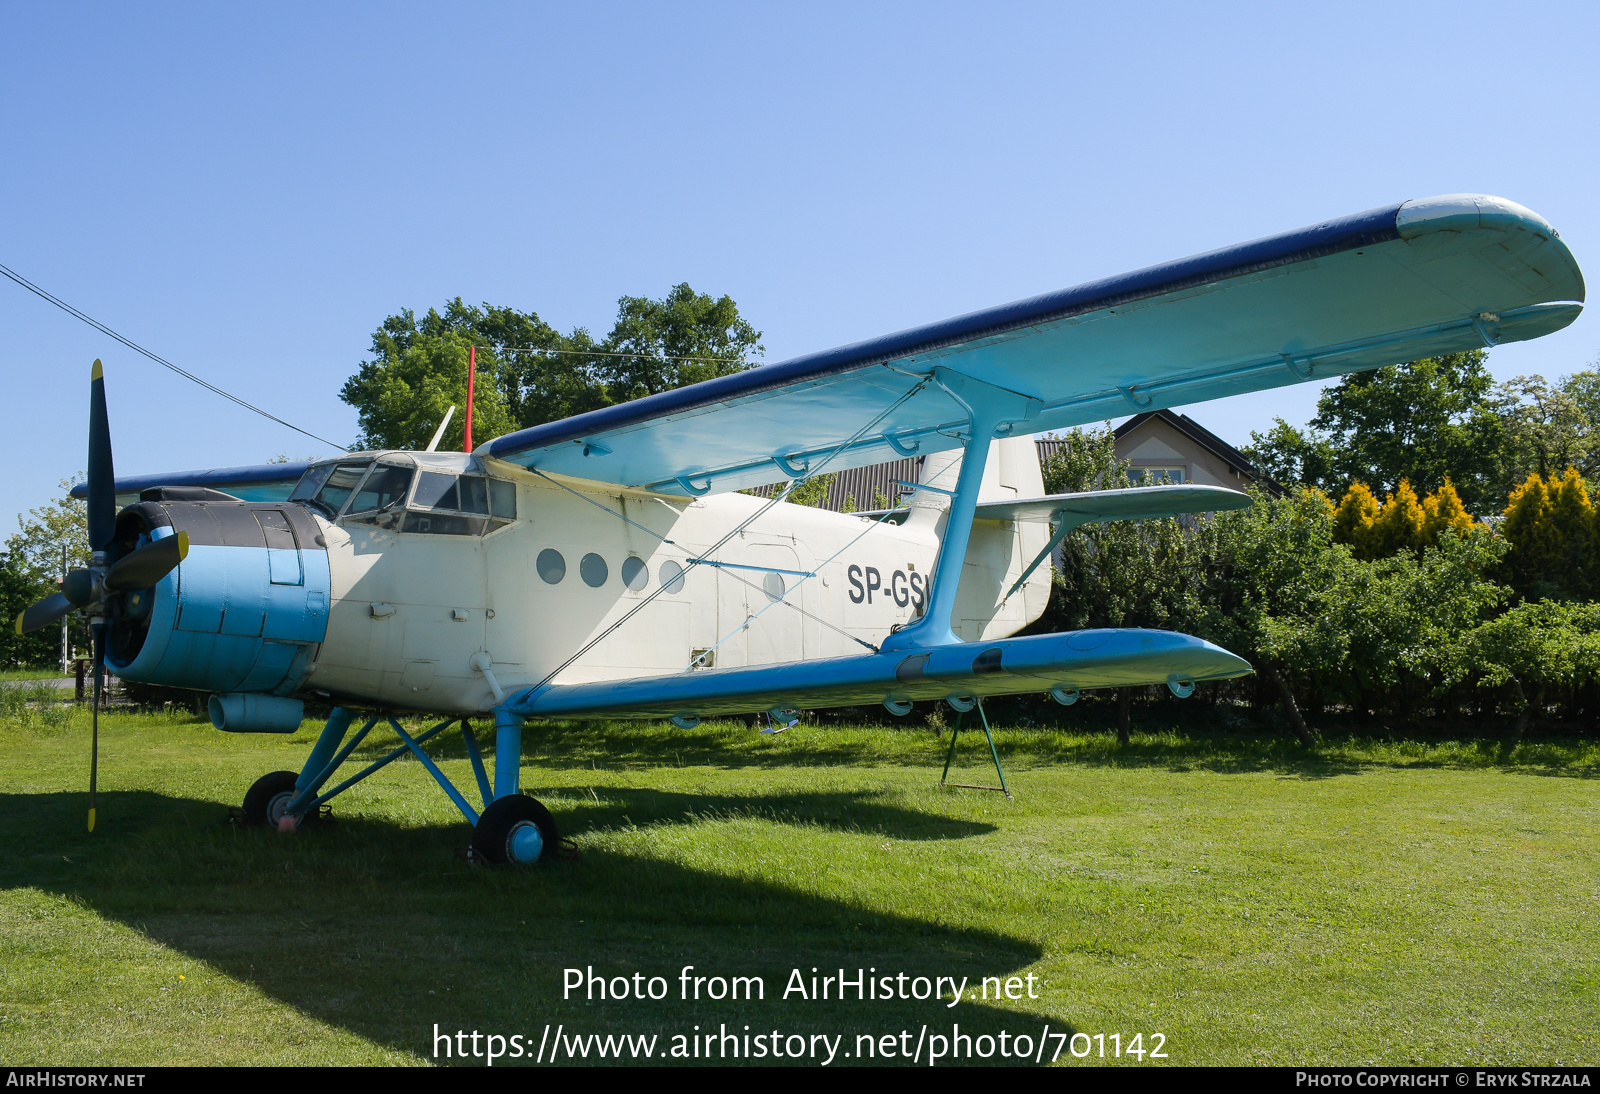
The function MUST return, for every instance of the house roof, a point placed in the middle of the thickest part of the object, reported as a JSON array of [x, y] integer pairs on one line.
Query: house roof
[[1237, 461]]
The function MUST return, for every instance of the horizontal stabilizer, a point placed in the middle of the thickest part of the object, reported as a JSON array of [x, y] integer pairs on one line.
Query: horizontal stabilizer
[[1134, 503], [1069, 511], [1010, 666]]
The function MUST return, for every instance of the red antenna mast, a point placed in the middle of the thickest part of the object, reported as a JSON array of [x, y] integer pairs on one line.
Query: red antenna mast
[[472, 370]]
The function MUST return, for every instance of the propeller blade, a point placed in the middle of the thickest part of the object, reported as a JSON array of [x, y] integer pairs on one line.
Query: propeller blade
[[148, 565], [43, 613], [94, 738], [102, 477]]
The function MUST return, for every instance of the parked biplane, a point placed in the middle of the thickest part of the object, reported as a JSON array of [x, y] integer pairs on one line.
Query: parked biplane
[[607, 566]]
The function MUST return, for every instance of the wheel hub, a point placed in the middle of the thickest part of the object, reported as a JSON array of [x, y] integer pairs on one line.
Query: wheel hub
[[524, 843]]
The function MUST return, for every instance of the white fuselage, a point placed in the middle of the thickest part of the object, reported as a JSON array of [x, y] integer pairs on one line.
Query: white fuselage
[[411, 613]]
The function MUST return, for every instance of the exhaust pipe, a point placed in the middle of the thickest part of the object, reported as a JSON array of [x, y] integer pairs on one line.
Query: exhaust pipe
[[251, 712]]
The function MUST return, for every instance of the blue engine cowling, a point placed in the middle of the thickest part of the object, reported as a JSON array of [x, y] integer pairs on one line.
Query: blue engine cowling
[[244, 612]]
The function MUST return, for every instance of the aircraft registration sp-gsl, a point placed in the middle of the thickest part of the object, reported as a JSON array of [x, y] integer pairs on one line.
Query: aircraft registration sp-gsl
[[605, 566]]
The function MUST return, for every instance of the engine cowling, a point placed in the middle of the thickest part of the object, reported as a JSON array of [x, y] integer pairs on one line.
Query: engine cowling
[[246, 610]]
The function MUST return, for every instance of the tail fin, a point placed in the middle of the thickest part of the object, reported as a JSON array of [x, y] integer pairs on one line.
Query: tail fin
[[997, 551], [1011, 473]]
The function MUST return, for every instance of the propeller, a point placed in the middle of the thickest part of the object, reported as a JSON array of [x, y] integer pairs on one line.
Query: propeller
[[98, 587], [139, 570]]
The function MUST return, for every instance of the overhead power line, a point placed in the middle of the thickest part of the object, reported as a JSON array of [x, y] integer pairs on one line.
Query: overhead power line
[[621, 353], [162, 361]]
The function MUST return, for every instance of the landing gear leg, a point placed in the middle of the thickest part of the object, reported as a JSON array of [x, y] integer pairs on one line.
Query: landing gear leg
[[514, 828], [507, 753]]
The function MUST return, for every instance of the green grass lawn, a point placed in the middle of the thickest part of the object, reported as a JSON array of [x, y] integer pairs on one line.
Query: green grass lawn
[[1375, 902], [13, 674]]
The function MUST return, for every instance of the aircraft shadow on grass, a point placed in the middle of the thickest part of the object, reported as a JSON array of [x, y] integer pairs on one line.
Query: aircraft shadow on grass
[[374, 926], [845, 811]]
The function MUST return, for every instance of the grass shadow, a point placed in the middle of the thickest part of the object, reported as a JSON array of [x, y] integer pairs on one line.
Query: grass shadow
[[617, 808], [374, 926]]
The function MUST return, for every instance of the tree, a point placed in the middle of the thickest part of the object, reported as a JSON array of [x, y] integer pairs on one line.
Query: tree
[[1444, 512], [1399, 525], [31, 569], [1424, 421], [1551, 527], [529, 373], [1269, 568], [1537, 646], [681, 339], [1120, 574], [1353, 520], [1549, 428], [1289, 455], [418, 371], [814, 491]]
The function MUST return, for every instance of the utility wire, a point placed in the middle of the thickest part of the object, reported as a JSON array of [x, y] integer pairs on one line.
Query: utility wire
[[162, 361], [618, 353]]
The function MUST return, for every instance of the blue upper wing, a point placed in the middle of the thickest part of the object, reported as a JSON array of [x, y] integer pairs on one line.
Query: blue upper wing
[[1425, 277]]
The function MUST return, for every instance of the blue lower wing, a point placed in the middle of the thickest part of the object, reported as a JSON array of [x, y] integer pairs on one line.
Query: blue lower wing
[[1010, 666]]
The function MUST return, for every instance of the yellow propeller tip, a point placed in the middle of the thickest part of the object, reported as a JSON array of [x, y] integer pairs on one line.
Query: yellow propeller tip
[[183, 545], [91, 820], [95, 374]]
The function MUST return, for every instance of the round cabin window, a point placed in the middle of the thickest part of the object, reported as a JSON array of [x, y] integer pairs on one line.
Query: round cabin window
[[593, 570], [551, 566], [672, 577], [773, 586], [635, 574]]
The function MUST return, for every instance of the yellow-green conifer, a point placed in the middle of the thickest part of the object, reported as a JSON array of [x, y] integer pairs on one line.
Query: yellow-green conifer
[[1527, 528], [1443, 511], [1572, 533], [1352, 520], [1399, 525]]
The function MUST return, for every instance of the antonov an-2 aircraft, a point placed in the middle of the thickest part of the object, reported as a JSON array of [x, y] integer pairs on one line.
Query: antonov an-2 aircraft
[[606, 566]]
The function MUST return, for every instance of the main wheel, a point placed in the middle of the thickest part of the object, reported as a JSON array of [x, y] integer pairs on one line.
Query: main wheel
[[268, 798], [515, 829]]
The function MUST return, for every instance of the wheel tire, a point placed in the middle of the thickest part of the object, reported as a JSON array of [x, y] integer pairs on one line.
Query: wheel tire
[[491, 839], [264, 802]]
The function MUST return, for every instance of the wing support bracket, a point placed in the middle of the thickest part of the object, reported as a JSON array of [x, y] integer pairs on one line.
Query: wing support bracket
[[907, 448], [790, 467], [691, 489], [1135, 399], [1301, 369]]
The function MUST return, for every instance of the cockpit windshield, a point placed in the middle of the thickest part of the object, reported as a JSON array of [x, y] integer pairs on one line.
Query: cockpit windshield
[[381, 492], [329, 486]]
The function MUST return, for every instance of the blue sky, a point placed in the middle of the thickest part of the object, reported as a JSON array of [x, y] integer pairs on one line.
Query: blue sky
[[250, 190]]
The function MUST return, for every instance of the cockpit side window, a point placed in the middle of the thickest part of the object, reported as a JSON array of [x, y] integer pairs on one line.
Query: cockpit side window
[[503, 499], [474, 494], [435, 491], [460, 505]]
